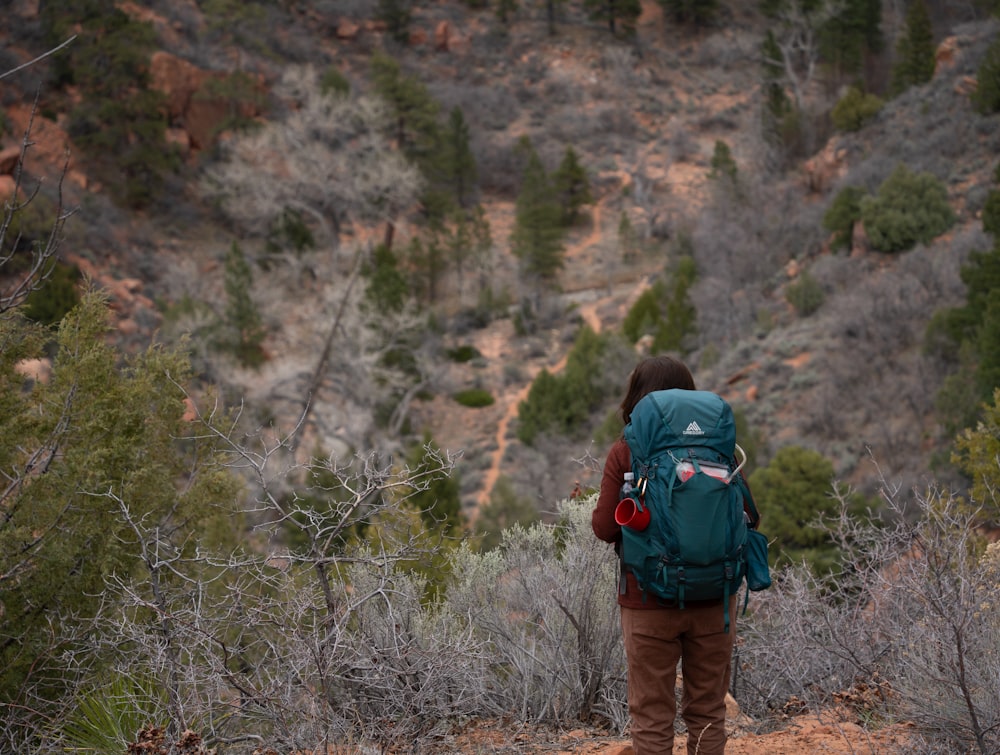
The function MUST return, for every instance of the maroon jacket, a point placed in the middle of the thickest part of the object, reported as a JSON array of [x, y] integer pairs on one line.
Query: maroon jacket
[[602, 520]]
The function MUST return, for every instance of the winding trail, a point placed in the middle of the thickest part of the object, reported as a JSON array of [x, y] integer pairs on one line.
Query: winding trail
[[588, 311]]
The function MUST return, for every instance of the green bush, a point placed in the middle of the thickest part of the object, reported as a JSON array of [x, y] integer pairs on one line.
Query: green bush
[[665, 311], [910, 208], [117, 121], [474, 398], [464, 353], [844, 212], [792, 493], [805, 295], [563, 403], [334, 82], [855, 109], [57, 296]]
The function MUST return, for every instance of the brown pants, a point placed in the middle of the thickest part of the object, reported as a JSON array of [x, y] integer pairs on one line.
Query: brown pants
[[655, 640]]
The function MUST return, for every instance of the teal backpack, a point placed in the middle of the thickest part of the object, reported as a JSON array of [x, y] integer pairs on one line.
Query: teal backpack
[[699, 536]]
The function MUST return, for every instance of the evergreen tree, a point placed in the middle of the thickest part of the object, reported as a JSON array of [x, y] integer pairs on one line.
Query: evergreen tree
[[724, 171], [850, 35], [695, 12], [504, 510], [572, 186], [396, 15], [679, 313], [793, 492], [387, 289], [426, 259], [101, 445], [550, 14], [778, 110], [458, 165], [915, 54], [617, 13], [415, 111], [977, 451], [242, 318], [119, 121], [986, 98], [988, 346], [437, 501], [628, 240], [537, 237]]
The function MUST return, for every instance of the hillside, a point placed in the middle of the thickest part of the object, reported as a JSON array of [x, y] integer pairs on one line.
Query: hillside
[[644, 117], [256, 141]]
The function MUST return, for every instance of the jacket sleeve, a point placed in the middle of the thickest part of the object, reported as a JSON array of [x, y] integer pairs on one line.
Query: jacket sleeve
[[602, 519]]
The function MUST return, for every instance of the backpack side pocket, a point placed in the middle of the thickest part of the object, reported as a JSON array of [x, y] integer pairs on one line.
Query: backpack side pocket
[[758, 573]]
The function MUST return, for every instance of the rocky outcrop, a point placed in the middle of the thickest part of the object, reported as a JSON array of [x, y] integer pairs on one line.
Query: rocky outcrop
[[194, 106]]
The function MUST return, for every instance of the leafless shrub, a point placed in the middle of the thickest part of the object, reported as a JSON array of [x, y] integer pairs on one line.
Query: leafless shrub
[[910, 616], [545, 601], [312, 639]]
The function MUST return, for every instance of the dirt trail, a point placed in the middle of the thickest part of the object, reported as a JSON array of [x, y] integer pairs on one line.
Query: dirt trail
[[589, 312]]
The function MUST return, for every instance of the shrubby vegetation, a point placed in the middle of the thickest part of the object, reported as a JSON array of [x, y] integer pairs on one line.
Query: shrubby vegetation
[[910, 208], [855, 109], [664, 311], [565, 403], [805, 294], [118, 121]]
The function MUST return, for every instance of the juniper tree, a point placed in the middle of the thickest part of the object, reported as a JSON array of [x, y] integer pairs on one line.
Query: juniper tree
[[104, 424], [119, 120]]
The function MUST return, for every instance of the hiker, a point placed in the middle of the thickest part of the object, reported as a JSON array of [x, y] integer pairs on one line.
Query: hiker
[[659, 633]]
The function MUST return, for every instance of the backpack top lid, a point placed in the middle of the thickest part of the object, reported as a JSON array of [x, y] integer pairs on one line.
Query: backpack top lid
[[681, 419]]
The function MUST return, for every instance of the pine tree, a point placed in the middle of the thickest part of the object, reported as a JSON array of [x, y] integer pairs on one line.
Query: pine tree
[[537, 236], [986, 98], [242, 318], [415, 111], [695, 12], [458, 164], [427, 261], [852, 34], [396, 15], [572, 186], [615, 12], [118, 121], [387, 289], [915, 54]]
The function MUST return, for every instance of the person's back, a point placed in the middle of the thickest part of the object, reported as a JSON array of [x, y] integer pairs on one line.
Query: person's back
[[658, 632]]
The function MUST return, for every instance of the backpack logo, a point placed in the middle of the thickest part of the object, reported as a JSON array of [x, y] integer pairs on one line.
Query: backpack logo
[[693, 429]]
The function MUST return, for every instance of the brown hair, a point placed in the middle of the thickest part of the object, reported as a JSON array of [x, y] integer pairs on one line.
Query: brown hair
[[655, 374]]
